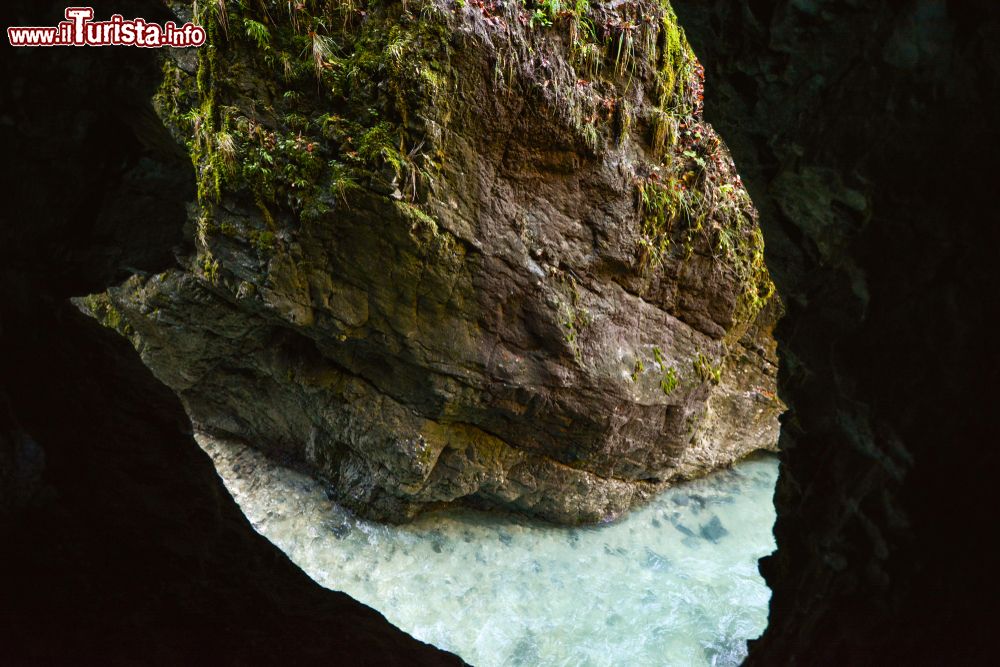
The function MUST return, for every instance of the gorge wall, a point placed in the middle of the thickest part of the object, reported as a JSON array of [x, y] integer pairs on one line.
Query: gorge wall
[[118, 542], [446, 253], [865, 132]]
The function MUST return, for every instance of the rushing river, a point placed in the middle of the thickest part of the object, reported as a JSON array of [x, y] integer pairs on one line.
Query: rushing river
[[673, 584]]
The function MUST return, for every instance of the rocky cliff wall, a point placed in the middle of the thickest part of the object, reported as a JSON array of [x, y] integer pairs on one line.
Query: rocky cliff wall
[[483, 253]]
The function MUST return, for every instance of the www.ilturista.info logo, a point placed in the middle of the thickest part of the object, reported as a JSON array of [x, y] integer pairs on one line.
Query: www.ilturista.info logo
[[80, 30]]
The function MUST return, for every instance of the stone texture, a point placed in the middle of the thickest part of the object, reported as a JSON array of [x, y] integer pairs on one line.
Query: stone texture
[[492, 336]]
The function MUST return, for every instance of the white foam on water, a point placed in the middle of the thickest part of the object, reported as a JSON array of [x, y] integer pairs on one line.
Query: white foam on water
[[674, 583]]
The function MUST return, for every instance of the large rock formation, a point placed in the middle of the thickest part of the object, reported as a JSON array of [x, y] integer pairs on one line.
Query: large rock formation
[[118, 542], [866, 132], [449, 253]]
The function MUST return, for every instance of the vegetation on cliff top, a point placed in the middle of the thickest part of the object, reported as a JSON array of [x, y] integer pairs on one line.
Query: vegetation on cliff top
[[299, 104]]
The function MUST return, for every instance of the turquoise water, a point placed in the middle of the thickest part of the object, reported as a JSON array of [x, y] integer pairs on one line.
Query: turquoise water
[[674, 583]]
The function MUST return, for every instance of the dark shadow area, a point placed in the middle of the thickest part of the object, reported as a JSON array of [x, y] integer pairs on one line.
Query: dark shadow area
[[866, 133], [118, 542]]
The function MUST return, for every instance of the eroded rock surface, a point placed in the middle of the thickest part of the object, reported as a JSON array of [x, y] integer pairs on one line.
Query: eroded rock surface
[[462, 255]]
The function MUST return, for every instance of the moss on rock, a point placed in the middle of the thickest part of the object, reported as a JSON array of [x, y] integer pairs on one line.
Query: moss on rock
[[450, 253]]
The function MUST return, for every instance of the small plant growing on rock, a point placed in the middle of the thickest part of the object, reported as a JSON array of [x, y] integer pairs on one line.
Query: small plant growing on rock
[[669, 381], [705, 370], [638, 369]]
